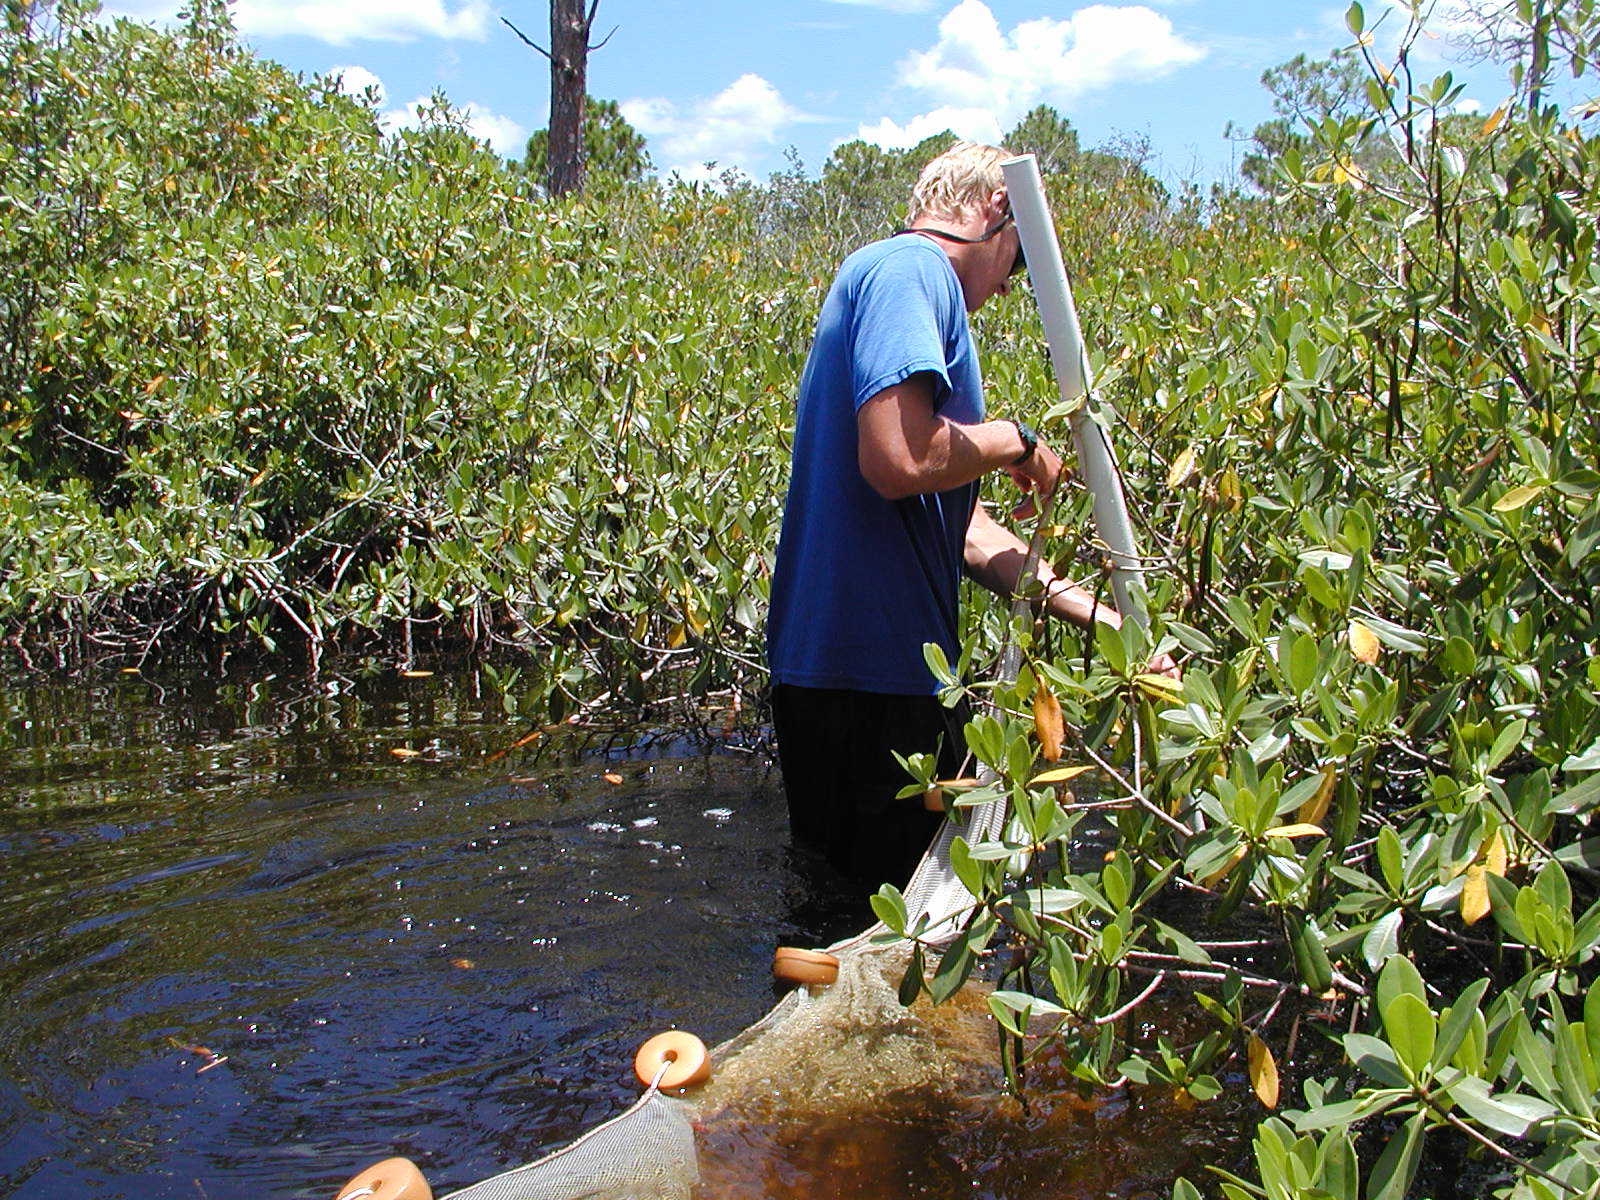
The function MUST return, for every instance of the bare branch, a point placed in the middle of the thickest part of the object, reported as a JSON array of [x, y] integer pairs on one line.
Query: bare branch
[[525, 39], [601, 43]]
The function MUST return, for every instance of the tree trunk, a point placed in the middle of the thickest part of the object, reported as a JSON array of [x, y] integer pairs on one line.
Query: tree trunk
[[569, 61]]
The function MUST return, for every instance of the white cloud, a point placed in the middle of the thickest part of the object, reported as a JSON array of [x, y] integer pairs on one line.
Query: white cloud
[[355, 80], [1467, 106], [505, 136], [340, 23], [976, 66], [732, 128], [974, 124]]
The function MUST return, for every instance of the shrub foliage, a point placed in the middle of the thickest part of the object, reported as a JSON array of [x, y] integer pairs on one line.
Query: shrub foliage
[[269, 378]]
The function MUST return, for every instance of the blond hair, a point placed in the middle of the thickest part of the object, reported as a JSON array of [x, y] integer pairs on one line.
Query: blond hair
[[961, 178]]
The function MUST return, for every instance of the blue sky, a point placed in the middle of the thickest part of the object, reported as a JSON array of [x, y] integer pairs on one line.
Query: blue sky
[[735, 82]]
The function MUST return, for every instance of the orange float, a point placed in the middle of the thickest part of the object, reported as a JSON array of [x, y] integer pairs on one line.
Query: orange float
[[677, 1057], [391, 1179], [811, 967]]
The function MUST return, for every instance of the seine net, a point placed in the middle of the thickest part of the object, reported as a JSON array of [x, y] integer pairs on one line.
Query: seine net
[[820, 1050]]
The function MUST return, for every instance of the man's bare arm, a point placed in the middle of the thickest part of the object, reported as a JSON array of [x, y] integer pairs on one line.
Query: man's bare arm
[[905, 448], [995, 556]]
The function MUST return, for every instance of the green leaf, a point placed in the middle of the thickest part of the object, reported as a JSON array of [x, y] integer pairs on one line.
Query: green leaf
[[1383, 939], [1398, 977], [1578, 798], [1409, 1025], [1013, 1009], [954, 967], [1508, 740], [890, 906], [1354, 19], [1580, 854], [1457, 1022], [1297, 654], [1508, 1113], [1391, 860], [938, 665], [1375, 1057], [1180, 943], [1110, 645], [1397, 1165], [1591, 1024], [967, 869], [911, 983], [1341, 1170], [1458, 657], [1369, 1104]]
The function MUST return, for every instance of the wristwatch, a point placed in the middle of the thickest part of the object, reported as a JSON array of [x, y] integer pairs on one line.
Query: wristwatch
[[1030, 442]]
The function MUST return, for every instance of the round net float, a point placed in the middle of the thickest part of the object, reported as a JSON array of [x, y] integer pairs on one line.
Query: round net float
[[793, 965], [391, 1179], [677, 1057]]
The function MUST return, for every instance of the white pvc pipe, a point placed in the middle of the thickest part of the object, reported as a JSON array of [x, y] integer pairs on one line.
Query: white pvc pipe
[[1097, 463]]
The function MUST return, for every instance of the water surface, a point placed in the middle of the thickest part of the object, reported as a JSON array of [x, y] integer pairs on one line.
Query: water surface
[[246, 948], [436, 956]]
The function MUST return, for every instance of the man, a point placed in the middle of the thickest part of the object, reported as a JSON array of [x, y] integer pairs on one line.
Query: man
[[882, 516]]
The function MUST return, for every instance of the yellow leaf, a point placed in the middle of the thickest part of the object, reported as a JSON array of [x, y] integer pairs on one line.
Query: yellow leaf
[[1182, 469], [1493, 123], [1230, 490], [677, 637], [1314, 809], [1047, 722], [1304, 829], [1160, 687], [1058, 775], [1222, 872], [1494, 854], [415, 674], [1475, 895], [1517, 497], [1363, 642], [958, 784], [404, 752], [1263, 1072], [612, 778]]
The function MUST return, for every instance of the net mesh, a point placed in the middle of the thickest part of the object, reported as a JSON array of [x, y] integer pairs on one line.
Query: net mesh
[[819, 1050]]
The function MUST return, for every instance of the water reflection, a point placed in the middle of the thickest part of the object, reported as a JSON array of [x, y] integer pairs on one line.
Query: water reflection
[[434, 956]]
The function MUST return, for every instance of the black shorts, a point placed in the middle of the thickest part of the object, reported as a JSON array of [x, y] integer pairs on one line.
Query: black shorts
[[836, 750]]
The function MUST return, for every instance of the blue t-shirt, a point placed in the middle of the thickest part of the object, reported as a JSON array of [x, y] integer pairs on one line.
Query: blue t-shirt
[[862, 582]]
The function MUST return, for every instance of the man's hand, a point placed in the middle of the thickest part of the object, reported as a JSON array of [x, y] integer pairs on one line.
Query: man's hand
[[1162, 664], [1038, 477]]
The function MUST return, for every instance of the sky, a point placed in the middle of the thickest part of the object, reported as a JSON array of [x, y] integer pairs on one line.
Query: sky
[[739, 83]]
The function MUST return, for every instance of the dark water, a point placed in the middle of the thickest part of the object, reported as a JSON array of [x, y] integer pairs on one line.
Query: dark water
[[245, 949], [434, 956]]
